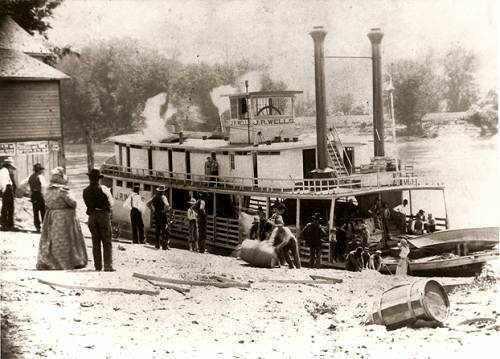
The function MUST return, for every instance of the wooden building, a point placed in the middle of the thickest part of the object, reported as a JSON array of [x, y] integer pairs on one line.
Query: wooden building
[[30, 105]]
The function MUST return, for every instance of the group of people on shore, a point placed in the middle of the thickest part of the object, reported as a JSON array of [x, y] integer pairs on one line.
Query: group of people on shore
[[62, 244]]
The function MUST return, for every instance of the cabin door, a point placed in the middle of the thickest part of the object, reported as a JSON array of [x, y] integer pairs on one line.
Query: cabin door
[[308, 162], [348, 159]]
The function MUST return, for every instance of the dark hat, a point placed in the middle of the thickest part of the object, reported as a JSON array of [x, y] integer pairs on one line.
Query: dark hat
[[359, 250], [316, 215], [161, 189], [38, 167], [137, 186], [95, 173], [260, 208]]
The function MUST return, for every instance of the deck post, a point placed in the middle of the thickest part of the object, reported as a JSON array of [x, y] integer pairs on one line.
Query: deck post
[[447, 224], [297, 220], [268, 205], [214, 216]]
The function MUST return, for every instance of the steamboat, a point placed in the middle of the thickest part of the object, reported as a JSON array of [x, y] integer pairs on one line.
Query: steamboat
[[264, 159]]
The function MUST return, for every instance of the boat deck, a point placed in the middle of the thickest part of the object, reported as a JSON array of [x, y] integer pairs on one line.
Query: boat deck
[[314, 187]]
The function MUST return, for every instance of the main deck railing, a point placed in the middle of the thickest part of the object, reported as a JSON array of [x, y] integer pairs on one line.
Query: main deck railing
[[285, 185]]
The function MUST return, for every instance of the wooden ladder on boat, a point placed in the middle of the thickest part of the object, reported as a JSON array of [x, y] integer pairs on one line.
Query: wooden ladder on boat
[[336, 159]]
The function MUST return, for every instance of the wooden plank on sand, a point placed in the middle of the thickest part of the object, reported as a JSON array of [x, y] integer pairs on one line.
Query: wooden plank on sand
[[331, 279], [101, 289], [193, 282], [299, 281]]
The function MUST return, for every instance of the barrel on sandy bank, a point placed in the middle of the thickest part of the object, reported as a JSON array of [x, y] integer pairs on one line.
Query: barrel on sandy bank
[[258, 254], [404, 304]]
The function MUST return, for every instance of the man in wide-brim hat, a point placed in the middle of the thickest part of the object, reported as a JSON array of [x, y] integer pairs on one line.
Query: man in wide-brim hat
[[99, 202], [192, 216], [8, 189], [37, 184], [159, 205], [313, 233]]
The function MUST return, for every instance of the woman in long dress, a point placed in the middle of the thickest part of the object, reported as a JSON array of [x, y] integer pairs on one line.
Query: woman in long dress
[[403, 264], [61, 244]]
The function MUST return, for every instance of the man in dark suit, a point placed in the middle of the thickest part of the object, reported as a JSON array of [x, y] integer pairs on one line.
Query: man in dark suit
[[36, 182], [99, 202]]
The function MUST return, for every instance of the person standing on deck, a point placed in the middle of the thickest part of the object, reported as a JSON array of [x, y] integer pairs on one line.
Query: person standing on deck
[[136, 207], [99, 202], [376, 211], [313, 234], [159, 206], [8, 190], [386, 214], [193, 232], [37, 184], [208, 169], [404, 212], [403, 264], [214, 169], [202, 223]]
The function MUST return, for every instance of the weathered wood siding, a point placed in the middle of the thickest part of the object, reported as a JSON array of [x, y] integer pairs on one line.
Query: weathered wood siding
[[29, 110]]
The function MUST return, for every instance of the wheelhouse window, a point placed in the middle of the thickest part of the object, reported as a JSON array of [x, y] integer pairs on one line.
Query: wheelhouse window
[[272, 106]]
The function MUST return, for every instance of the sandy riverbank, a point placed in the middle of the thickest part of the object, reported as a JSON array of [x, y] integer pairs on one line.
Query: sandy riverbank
[[267, 320]]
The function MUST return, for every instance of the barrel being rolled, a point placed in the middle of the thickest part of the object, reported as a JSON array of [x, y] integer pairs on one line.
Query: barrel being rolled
[[258, 254], [402, 305]]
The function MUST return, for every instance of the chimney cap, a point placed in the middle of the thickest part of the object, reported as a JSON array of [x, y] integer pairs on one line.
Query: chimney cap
[[318, 31], [375, 35]]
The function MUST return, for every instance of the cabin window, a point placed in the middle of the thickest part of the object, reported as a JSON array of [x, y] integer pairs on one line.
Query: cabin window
[[130, 184], [147, 187], [234, 108], [231, 161], [119, 183]]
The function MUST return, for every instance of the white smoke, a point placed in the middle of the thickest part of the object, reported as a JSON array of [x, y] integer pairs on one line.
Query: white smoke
[[155, 123], [220, 101]]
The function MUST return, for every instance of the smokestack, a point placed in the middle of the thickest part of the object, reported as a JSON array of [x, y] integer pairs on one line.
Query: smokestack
[[318, 34], [375, 36]]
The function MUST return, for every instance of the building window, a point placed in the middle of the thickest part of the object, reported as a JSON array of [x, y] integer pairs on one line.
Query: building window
[[147, 187], [130, 184], [231, 161], [119, 183]]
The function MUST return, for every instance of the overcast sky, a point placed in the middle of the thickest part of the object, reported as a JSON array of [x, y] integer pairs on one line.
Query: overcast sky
[[276, 31]]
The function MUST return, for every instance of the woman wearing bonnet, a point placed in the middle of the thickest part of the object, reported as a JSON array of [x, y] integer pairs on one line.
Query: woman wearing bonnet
[[61, 244]]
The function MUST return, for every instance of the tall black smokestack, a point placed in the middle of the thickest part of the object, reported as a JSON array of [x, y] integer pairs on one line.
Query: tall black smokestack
[[318, 34], [375, 36]]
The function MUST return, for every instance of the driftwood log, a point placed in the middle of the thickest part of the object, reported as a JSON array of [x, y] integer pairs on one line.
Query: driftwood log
[[100, 289], [181, 290], [299, 281], [228, 284], [330, 279]]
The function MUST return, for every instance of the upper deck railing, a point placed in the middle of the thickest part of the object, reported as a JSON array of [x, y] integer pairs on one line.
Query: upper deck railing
[[313, 186]]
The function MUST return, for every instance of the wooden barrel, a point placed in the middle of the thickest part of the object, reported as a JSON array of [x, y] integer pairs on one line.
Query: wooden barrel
[[258, 254], [404, 304]]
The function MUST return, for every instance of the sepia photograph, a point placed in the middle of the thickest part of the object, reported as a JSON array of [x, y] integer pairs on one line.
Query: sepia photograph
[[249, 179]]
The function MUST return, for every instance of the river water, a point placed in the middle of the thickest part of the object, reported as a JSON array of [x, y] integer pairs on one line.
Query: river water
[[465, 162]]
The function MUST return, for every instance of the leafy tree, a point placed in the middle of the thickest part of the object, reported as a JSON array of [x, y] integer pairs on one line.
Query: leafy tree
[[30, 14], [109, 85], [459, 77], [417, 90]]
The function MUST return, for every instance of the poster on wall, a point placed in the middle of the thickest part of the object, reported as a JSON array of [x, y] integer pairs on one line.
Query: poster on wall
[[32, 147], [7, 149]]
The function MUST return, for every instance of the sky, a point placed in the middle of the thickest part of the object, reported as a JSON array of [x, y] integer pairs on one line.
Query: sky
[[277, 31]]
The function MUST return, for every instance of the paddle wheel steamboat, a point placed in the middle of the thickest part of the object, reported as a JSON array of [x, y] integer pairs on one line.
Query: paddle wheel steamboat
[[263, 158]]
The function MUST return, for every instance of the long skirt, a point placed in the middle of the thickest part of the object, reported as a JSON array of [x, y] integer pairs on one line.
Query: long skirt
[[61, 244], [403, 267]]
